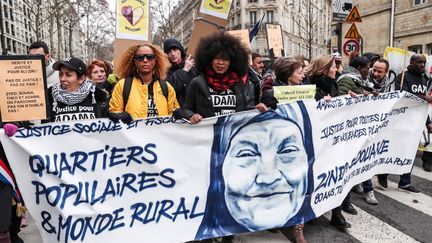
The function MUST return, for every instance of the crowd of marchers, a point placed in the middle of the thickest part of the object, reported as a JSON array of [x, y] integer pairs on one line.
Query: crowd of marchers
[[150, 81]]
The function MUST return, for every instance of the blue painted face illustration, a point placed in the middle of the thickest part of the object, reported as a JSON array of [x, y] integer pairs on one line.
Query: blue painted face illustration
[[265, 172]]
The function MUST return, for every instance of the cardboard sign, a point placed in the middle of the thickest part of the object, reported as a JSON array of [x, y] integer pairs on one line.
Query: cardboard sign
[[22, 88], [291, 93], [206, 23], [243, 35], [217, 8], [132, 26], [354, 15], [132, 20], [274, 39], [352, 33]]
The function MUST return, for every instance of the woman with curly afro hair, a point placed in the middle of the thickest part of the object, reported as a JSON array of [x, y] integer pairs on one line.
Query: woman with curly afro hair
[[222, 61], [142, 70]]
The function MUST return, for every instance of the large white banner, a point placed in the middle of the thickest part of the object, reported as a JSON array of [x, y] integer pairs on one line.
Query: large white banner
[[158, 180]]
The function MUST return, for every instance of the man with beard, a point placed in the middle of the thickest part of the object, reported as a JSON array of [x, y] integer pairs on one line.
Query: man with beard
[[181, 72], [414, 82], [378, 76]]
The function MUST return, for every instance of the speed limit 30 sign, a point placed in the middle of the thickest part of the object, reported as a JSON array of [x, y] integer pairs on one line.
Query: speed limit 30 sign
[[351, 45]]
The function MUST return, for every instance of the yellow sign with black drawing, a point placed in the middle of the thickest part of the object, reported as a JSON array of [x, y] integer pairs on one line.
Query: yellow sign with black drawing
[[132, 19], [217, 8]]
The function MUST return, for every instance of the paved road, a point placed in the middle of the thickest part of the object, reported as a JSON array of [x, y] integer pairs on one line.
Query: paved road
[[400, 217]]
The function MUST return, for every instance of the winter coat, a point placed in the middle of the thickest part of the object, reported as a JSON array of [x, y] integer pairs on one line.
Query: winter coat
[[177, 77], [415, 83], [180, 80], [137, 103], [198, 99], [252, 88], [267, 93], [324, 86], [352, 80]]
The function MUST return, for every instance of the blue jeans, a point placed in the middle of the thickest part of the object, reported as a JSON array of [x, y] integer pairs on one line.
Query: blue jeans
[[405, 179], [367, 186]]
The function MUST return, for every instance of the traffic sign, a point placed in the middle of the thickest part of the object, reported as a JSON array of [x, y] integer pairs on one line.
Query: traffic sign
[[351, 46], [352, 33], [341, 9], [354, 15]]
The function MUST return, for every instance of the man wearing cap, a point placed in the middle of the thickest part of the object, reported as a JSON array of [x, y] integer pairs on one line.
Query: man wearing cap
[[75, 97], [41, 48], [182, 71]]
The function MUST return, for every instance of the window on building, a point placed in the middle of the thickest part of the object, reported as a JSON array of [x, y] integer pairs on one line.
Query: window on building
[[13, 29], [270, 16], [252, 17], [5, 10], [415, 48], [7, 27], [11, 14], [14, 46], [252, 1], [429, 49], [418, 2]]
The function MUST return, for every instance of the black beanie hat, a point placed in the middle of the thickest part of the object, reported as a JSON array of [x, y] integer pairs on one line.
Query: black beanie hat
[[170, 43]]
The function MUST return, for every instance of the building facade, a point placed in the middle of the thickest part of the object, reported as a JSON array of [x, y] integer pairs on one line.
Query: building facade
[[305, 24], [412, 25], [23, 23], [182, 22]]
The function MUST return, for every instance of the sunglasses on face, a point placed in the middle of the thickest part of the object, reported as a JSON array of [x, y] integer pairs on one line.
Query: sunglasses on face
[[149, 57]]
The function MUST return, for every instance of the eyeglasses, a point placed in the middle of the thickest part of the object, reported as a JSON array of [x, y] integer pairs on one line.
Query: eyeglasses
[[140, 58]]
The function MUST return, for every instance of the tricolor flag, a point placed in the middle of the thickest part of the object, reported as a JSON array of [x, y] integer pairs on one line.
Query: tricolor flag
[[255, 29], [8, 178]]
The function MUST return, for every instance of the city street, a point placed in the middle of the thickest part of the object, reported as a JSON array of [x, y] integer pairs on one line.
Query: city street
[[399, 217]]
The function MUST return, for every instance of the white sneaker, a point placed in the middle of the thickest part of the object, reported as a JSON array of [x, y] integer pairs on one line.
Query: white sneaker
[[370, 198]]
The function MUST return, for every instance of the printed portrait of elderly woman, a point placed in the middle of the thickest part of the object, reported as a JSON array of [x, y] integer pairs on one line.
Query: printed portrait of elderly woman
[[260, 173]]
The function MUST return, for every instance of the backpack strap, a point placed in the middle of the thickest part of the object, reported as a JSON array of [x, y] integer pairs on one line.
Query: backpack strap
[[128, 85], [126, 91], [164, 87]]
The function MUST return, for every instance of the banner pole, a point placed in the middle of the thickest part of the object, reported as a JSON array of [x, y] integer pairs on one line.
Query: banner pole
[[403, 70]]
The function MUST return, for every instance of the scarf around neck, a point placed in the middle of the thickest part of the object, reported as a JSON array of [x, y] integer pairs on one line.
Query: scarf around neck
[[355, 75], [221, 82], [73, 97]]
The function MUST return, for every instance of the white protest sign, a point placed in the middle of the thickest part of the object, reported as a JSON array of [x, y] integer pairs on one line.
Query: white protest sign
[[96, 181]]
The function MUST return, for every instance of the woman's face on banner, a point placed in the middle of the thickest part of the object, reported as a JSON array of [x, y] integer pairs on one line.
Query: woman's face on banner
[[265, 172]]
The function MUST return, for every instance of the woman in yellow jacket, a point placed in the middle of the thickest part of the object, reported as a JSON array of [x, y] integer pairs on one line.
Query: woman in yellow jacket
[[142, 91]]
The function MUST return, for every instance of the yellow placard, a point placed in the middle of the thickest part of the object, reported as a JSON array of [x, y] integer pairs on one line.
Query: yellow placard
[[132, 19], [22, 89], [217, 8], [291, 93]]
